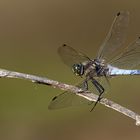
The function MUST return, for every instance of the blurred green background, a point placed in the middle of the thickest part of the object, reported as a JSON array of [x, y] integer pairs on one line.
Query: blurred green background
[[30, 33]]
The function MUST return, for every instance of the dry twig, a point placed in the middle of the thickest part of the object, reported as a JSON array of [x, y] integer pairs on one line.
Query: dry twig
[[75, 90]]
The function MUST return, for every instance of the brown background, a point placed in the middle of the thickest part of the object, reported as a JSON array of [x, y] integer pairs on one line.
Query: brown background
[[30, 33]]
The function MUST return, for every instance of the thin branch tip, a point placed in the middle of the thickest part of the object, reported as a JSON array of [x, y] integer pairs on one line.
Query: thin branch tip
[[138, 120]]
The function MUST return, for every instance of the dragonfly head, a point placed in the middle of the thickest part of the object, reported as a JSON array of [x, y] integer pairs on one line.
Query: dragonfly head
[[78, 69]]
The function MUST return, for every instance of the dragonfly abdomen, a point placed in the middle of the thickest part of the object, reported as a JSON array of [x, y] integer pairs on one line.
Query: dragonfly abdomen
[[113, 71]]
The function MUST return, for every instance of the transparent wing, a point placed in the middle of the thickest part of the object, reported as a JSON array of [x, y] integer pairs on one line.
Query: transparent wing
[[130, 57], [66, 99], [115, 37], [70, 56]]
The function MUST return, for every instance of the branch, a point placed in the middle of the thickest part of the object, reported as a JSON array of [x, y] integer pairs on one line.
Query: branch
[[85, 94]]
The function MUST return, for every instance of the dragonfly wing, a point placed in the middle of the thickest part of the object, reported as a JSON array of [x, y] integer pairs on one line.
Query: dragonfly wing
[[130, 57], [66, 99], [115, 37], [70, 56]]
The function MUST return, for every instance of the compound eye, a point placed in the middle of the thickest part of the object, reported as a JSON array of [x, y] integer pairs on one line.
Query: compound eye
[[77, 69]]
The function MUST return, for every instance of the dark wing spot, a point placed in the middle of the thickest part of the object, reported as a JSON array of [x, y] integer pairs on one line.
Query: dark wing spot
[[64, 45], [139, 37], [118, 13], [54, 98]]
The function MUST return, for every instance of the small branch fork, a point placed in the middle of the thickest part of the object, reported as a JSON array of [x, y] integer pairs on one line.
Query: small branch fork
[[75, 90]]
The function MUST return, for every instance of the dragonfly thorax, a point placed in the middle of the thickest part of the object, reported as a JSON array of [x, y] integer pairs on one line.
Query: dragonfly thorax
[[78, 69], [95, 68]]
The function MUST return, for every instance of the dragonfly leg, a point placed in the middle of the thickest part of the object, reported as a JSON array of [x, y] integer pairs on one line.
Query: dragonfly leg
[[98, 86], [85, 85], [100, 90]]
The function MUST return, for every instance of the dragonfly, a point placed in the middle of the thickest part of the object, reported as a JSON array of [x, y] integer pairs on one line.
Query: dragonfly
[[113, 59]]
